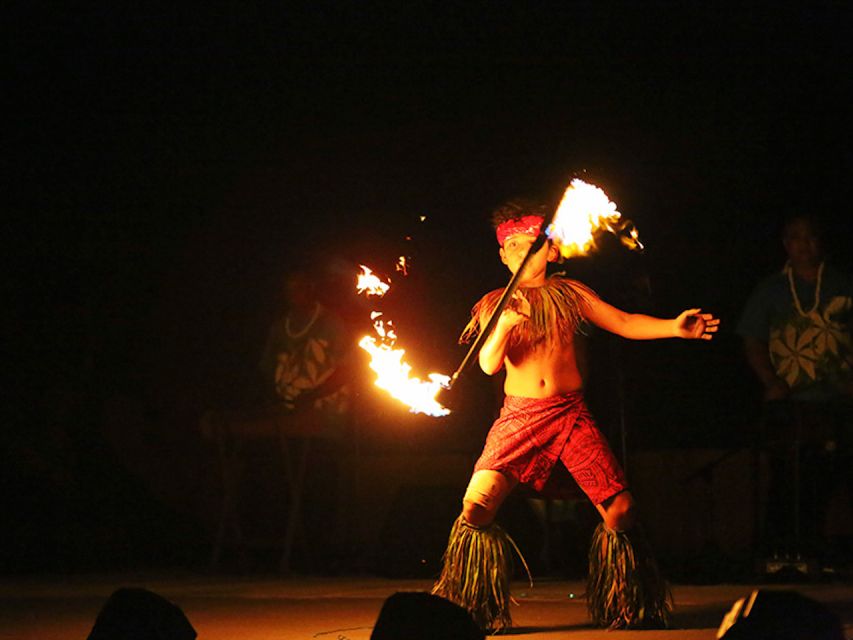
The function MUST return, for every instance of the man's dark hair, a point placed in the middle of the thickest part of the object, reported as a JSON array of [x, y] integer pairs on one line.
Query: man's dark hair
[[516, 209]]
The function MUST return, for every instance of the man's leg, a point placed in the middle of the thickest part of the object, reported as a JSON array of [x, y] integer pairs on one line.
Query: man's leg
[[477, 564], [626, 589], [485, 494], [619, 512]]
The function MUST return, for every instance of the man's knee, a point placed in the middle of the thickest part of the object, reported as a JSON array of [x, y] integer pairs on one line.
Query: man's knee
[[484, 496], [477, 515], [619, 512]]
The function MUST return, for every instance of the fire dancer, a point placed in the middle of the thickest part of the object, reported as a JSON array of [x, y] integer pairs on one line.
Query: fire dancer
[[545, 423]]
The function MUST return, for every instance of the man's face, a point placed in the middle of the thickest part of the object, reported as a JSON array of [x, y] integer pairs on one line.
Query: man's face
[[802, 243], [299, 291], [515, 249]]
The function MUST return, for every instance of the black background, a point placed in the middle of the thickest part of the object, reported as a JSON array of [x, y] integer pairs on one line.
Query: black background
[[167, 162]]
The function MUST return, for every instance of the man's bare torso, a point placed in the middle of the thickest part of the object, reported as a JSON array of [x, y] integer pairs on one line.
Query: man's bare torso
[[548, 370]]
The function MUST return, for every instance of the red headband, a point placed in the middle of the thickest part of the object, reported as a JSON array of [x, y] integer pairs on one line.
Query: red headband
[[526, 225]]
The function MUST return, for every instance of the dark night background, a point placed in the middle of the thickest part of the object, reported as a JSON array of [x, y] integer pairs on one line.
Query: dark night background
[[165, 163]]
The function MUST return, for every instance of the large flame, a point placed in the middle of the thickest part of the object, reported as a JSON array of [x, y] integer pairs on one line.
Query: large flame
[[392, 374], [584, 210]]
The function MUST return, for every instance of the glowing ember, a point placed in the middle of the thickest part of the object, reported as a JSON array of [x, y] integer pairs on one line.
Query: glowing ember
[[392, 374], [386, 333], [403, 265], [584, 210], [371, 284]]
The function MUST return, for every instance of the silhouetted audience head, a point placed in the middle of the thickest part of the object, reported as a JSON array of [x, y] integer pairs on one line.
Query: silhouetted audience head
[[139, 614], [779, 615], [422, 616]]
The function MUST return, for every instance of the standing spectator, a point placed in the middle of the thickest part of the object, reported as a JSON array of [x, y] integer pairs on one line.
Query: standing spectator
[[796, 330], [306, 354]]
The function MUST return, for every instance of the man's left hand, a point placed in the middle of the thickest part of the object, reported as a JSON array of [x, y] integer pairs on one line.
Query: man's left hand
[[692, 324]]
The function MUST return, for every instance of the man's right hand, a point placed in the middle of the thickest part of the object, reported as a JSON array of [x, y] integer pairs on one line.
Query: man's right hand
[[516, 311]]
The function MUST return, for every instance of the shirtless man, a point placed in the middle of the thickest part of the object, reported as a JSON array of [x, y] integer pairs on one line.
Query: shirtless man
[[544, 422]]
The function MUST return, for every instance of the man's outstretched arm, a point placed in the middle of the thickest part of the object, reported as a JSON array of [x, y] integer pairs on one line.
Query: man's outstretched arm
[[690, 324]]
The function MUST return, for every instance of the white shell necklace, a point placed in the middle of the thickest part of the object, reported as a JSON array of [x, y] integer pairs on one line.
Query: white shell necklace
[[790, 272], [307, 327]]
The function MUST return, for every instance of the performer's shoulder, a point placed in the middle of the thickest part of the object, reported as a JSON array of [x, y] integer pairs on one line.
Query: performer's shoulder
[[493, 294], [487, 302], [561, 281]]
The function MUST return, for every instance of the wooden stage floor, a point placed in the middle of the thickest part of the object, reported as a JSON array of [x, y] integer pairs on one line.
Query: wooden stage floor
[[243, 608]]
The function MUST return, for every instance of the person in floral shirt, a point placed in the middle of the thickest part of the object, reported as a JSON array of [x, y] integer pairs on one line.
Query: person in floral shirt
[[796, 328], [308, 354]]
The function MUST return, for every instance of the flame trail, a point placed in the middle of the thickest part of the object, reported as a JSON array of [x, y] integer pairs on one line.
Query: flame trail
[[394, 375]]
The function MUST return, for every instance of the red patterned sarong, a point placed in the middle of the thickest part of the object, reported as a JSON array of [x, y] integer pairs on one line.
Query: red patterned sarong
[[532, 434]]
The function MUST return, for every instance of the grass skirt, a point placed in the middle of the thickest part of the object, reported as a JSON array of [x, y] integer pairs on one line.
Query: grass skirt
[[625, 588], [477, 569]]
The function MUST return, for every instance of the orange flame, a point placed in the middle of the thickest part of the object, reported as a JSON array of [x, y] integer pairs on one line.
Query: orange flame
[[394, 375], [402, 265], [371, 284], [584, 210]]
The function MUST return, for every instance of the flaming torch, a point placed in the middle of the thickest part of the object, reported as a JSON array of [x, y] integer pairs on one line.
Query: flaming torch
[[584, 211], [393, 374]]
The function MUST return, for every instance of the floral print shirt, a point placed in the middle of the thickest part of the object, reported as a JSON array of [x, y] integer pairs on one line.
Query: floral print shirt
[[811, 351], [304, 359]]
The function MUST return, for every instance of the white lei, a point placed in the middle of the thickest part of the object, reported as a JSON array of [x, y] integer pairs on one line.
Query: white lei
[[307, 327], [790, 273]]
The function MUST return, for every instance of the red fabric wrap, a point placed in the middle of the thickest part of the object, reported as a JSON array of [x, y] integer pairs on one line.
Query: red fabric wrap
[[528, 225], [532, 434]]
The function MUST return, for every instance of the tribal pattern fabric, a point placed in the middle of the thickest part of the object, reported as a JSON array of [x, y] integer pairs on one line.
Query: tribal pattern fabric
[[533, 434]]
